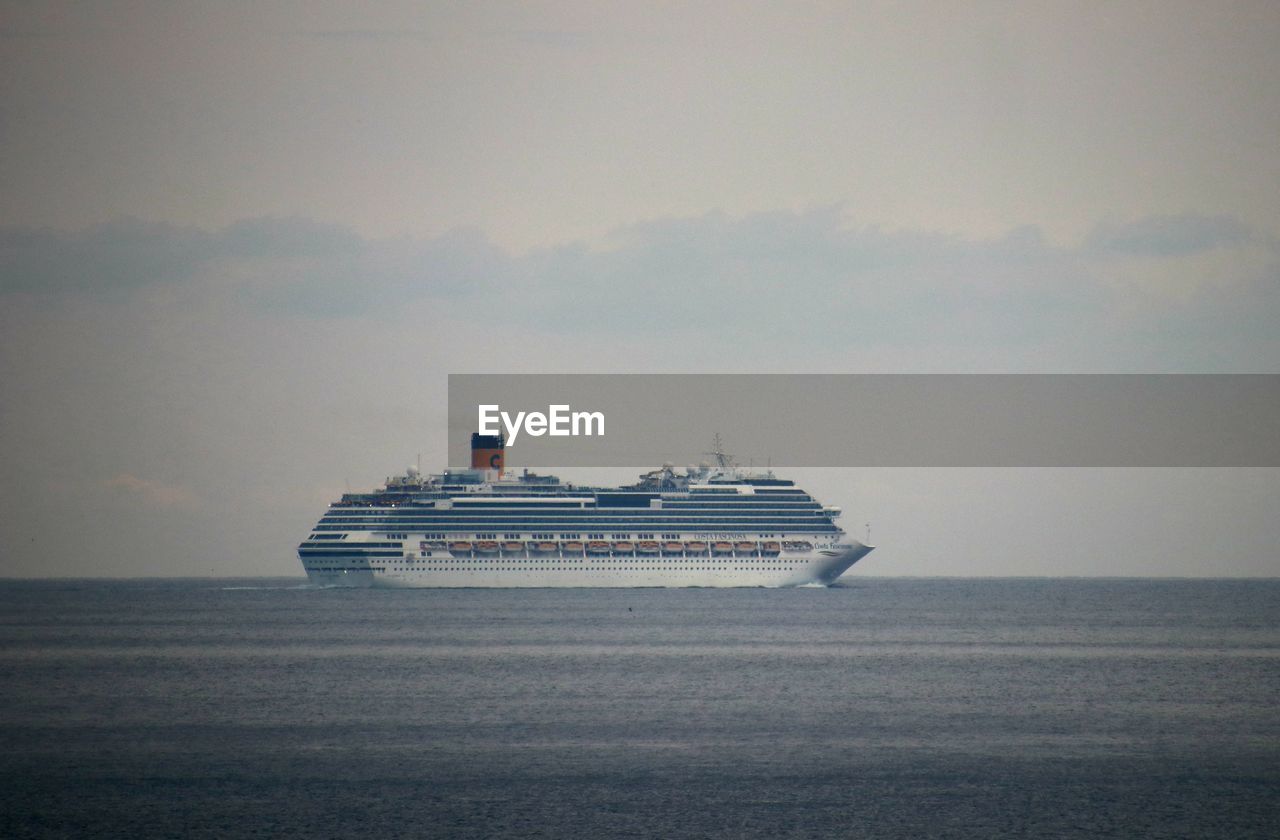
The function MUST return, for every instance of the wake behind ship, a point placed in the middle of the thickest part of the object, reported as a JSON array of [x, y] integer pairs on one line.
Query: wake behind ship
[[712, 525]]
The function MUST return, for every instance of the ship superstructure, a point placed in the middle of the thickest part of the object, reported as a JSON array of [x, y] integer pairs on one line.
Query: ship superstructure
[[709, 525]]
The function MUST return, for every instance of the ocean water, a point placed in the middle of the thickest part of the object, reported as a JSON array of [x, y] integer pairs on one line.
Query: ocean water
[[880, 708]]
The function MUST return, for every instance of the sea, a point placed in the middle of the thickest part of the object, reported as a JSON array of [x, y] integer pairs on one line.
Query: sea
[[879, 707]]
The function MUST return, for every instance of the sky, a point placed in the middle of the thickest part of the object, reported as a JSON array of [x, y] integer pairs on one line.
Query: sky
[[242, 244]]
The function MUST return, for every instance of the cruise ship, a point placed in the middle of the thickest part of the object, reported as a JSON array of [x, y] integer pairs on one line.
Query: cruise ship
[[713, 524]]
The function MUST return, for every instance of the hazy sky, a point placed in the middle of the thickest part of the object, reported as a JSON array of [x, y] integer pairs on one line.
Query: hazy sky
[[243, 243]]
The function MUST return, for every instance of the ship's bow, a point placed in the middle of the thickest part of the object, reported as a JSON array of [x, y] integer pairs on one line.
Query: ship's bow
[[840, 558]]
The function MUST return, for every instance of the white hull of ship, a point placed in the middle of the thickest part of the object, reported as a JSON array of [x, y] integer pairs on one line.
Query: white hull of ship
[[816, 567]]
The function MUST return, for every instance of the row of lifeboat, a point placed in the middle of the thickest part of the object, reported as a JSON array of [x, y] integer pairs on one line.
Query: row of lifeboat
[[620, 548]]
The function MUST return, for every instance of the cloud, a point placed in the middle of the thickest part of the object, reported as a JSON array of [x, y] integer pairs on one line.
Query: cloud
[[805, 277], [811, 278], [275, 238], [557, 38], [124, 253], [151, 492], [47, 34], [373, 35], [1168, 236], [368, 277], [129, 253]]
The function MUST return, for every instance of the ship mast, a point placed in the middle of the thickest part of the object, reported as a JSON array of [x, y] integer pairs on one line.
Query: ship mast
[[717, 449]]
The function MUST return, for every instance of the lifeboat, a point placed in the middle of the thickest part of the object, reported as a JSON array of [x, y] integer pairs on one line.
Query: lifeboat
[[673, 549], [624, 547], [744, 547], [696, 547], [571, 547], [770, 549], [722, 548], [647, 547], [513, 547], [544, 548], [460, 547], [597, 547], [487, 547], [433, 545]]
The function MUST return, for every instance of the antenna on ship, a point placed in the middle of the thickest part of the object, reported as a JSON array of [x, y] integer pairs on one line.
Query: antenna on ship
[[717, 449]]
